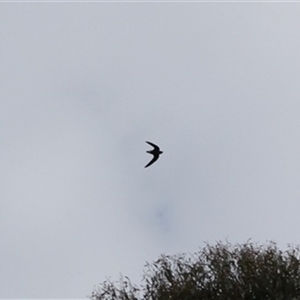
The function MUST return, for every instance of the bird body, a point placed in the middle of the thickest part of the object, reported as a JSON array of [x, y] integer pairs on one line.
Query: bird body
[[155, 152]]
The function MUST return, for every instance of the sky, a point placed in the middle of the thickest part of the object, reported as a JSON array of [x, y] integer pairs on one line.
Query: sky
[[84, 85]]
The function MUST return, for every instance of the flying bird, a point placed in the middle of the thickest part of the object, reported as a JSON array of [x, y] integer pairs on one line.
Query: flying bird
[[155, 152]]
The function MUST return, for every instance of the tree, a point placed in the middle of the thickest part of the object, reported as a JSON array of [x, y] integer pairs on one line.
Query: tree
[[223, 271]]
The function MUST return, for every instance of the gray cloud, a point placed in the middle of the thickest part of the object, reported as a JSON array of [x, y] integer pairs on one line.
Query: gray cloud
[[84, 85]]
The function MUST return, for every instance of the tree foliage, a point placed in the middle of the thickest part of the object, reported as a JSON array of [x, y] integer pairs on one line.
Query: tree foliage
[[223, 271]]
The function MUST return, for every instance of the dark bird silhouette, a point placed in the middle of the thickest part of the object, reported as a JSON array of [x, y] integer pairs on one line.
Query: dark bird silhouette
[[155, 152]]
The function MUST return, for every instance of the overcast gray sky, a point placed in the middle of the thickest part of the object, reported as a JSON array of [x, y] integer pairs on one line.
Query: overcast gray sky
[[84, 85]]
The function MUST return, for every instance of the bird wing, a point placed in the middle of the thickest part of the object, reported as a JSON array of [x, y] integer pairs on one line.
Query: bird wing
[[153, 145], [155, 157]]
